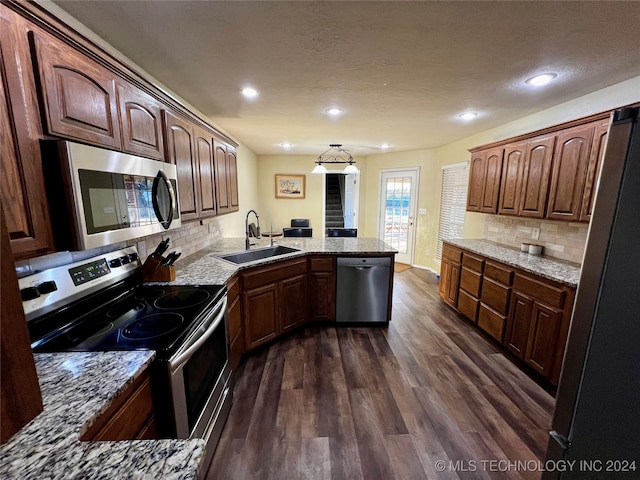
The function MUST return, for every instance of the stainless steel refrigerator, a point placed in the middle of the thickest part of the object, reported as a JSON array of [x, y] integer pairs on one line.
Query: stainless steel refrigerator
[[596, 422]]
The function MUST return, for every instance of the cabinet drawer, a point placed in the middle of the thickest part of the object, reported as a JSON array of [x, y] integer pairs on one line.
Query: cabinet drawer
[[498, 272], [274, 272], [472, 262], [468, 306], [451, 253], [495, 295], [470, 281], [491, 322], [540, 290], [321, 264]]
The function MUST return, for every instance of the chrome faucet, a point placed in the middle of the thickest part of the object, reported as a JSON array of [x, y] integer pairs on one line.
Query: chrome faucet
[[247, 244]]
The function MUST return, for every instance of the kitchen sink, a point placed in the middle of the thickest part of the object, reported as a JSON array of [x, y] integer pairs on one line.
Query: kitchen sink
[[258, 254]]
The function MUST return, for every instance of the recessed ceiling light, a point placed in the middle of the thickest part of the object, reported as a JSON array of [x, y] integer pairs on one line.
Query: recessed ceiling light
[[249, 92], [383, 146], [334, 111], [468, 115], [540, 80], [286, 145]]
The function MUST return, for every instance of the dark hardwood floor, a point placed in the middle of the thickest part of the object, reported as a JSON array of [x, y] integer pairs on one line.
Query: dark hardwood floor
[[376, 403]]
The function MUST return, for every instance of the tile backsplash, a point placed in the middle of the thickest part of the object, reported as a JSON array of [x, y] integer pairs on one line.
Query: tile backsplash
[[563, 240], [188, 239]]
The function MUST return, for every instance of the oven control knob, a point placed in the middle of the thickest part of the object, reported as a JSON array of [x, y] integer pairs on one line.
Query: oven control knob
[[133, 257], [125, 260], [47, 287], [115, 263], [29, 293]]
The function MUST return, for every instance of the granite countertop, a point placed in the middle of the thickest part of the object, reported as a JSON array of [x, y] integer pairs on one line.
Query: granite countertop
[[76, 389], [560, 271], [204, 267]]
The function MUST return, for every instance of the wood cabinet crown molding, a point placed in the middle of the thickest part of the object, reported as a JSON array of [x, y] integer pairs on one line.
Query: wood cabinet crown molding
[[545, 131], [44, 19]]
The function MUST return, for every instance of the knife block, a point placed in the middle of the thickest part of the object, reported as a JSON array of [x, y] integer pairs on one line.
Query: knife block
[[154, 271]]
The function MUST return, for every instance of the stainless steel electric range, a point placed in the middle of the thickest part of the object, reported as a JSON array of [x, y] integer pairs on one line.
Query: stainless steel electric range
[[100, 304]]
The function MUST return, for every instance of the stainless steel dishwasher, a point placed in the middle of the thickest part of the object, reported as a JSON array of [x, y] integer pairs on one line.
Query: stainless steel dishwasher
[[362, 289]]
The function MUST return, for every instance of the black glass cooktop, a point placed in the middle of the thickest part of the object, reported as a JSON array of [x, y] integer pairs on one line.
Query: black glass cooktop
[[150, 317]]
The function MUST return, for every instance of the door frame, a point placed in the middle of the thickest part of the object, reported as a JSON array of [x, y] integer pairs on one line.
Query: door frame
[[356, 201], [413, 209]]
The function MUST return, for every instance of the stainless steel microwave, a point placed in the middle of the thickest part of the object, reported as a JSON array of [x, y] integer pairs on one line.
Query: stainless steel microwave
[[110, 197]]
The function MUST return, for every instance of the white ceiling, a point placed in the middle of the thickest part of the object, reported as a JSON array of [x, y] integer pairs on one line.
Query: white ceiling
[[402, 71]]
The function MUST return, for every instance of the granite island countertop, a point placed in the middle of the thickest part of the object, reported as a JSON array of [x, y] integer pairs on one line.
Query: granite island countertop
[[205, 266], [561, 271], [76, 389]]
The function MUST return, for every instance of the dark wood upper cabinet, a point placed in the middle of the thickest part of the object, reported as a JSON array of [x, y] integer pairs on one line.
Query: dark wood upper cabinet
[[23, 190], [193, 150], [226, 177], [232, 171], [206, 176], [568, 174], [536, 173], [477, 167], [511, 183], [491, 188], [550, 175], [222, 186], [593, 170], [78, 95], [180, 146], [484, 180], [140, 117]]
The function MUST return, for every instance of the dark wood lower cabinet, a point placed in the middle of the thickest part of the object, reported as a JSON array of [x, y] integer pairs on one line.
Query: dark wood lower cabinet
[[235, 331], [274, 300], [130, 416], [546, 324], [293, 292], [528, 314], [322, 288], [450, 274], [261, 315], [534, 332], [519, 324]]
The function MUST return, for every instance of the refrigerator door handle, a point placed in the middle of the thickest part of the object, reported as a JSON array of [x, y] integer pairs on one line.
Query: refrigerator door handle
[[560, 439]]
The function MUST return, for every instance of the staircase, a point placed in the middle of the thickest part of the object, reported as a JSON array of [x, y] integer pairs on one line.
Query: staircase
[[334, 216]]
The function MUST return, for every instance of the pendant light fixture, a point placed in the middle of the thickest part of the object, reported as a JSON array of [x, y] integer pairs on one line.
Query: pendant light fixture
[[333, 155]]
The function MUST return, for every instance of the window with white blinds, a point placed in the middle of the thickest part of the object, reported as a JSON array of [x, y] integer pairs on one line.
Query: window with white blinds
[[453, 202]]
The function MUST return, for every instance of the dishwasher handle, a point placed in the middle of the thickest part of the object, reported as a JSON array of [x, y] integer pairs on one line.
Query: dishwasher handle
[[360, 267]]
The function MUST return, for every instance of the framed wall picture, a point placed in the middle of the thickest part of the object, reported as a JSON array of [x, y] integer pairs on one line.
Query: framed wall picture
[[289, 186]]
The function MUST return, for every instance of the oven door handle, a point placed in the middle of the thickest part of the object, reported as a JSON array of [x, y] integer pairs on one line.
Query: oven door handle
[[177, 362]]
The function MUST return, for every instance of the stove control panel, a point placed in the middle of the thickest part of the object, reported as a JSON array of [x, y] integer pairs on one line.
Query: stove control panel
[[89, 271], [50, 289]]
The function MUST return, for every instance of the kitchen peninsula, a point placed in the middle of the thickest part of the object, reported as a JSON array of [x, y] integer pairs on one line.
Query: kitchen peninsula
[[275, 295], [206, 266]]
